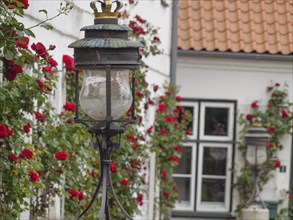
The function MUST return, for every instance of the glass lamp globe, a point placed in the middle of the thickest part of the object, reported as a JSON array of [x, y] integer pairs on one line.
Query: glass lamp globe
[[256, 155], [93, 93]]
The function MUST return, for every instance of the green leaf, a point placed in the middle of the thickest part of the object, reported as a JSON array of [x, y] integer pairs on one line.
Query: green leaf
[[43, 11], [28, 32], [47, 26], [9, 55]]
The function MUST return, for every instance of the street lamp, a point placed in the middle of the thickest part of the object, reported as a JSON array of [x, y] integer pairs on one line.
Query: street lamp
[[106, 56], [256, 141]]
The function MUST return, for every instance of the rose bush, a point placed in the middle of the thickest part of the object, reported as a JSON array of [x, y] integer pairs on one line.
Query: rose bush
[[277, 118]]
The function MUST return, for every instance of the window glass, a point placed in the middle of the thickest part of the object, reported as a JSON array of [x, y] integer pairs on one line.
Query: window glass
[[184, 166], [183, 185], [213, 190], [216, 121], [214, 161]]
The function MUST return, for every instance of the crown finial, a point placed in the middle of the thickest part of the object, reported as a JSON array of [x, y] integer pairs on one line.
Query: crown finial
[[106, 8]]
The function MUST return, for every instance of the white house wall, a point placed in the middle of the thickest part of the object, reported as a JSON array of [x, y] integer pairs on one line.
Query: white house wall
[[244, 81]]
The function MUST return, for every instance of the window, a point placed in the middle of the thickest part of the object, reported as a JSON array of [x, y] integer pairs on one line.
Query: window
[[204, 175]]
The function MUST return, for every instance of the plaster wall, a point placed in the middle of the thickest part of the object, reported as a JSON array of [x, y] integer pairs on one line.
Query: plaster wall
[[244, 81]]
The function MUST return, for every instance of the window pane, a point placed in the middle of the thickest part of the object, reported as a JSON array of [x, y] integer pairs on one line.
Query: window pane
[[214, 161], [184, 166], [216, 121], [189, 109], [183, 185], [213, 190]]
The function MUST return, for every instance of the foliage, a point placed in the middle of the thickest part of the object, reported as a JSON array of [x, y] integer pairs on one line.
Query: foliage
[[44, 154], [277, 118]]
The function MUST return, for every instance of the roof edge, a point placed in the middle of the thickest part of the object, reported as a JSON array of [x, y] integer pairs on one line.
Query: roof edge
[[254, 56]]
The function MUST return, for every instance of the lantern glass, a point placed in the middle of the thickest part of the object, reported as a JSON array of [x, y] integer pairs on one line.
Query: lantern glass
[[256, 155], [93, 93]]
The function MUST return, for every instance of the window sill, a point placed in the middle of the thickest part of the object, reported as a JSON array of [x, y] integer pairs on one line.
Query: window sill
[[209, 215]]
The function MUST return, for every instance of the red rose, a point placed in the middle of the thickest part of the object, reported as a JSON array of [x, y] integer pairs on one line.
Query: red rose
[[131, 137], [27, 128], [271, 130], [270, 145], [177, 148], [80, 196], [254, 105], [150, 130], [164, 174], [69, 63], [26, 154], [41, 84], [40, 49], [124, 182], [47, 69], [69, 107], [284, 113], [188, 132], [277, 84], [139, 199], [173, 158], [61, 155], [139, 94], [34, 177], [156, 39], [113, 167], [176, 111], [22, 42], [170, 118], [164, 131], [24, 2], [40, 173], [135, 164], [156, 87], [52, 62], [249, 117], [40, 117], [178, 99], [52, 47], [151, 102], [140, 19], [4, 131], [11, 70], [270, 88], [73, 193], [166, 194], [161, 108], [13, 158], [277, 163], [270, 106], [70, 120]]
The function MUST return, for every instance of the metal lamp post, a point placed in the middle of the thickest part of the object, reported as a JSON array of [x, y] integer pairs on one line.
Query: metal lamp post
[[106, 56], [256, 141]]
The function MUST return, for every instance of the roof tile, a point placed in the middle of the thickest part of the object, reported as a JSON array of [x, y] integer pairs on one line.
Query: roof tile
[[262, 26]]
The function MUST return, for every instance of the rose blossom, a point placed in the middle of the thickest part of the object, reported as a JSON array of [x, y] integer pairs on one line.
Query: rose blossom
[[254, 105], [164, 174], [150, 130], [249, 117], [34, 177], [69, 62], [156, 87], [170, 118], [73, 193], [4, 131], [178, 98], [139, 199], [26, 154], [166, 194], [161, 108], [277, 163], [69, 107], [48, 70], [13, 158], [284, 113], [124, 182], [173, 158], [80, 196], [164, 131], [113, 167], [40, 49], [41, 84], [22, 42], [11, 70], [61, 155], [188, 132], [27, 128], [52, 62], [271, 130]]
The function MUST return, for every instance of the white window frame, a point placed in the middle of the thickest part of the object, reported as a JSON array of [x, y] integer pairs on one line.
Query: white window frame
[[189, 207], [230, 129], [214, 206], [194, 120]]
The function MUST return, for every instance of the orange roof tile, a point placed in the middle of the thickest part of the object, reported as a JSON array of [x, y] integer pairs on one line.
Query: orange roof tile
[[261, 26]]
